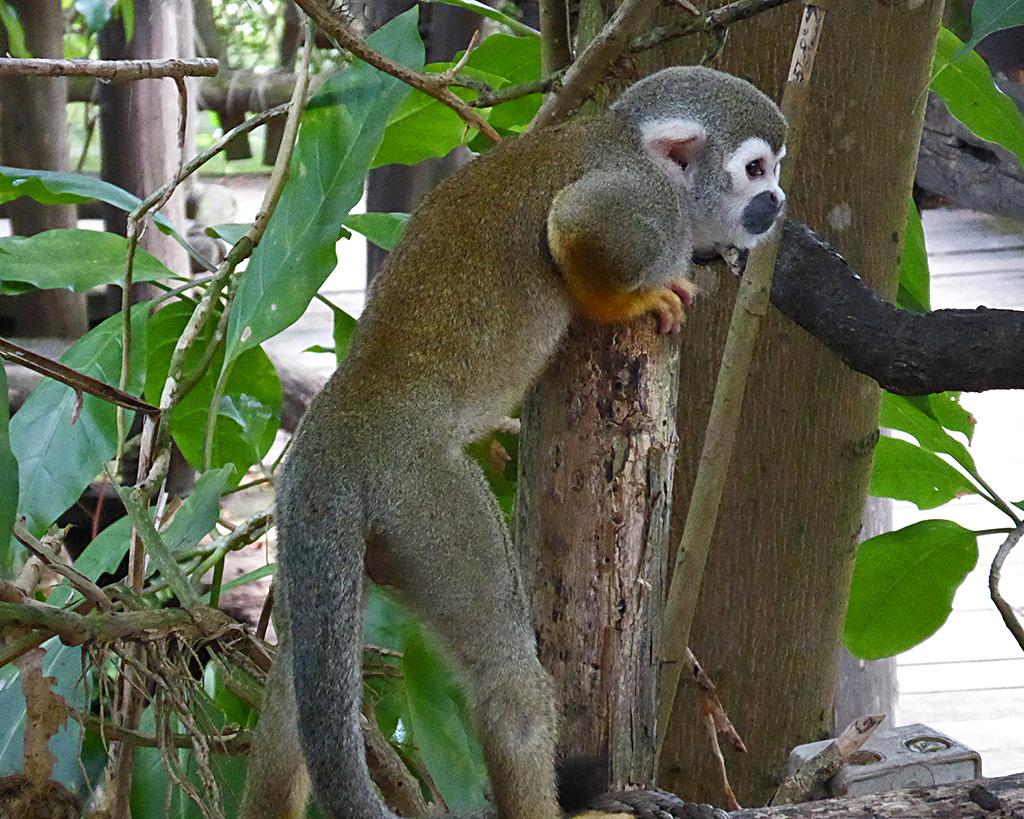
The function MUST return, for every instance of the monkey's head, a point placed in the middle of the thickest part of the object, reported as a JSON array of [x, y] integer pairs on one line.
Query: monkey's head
[[722, 140]]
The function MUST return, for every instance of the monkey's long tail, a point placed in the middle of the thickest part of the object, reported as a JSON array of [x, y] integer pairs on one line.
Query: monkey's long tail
[[322, 558]]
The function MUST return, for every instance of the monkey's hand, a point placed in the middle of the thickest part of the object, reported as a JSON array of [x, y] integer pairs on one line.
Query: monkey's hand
[[667, 304], [648, 804]]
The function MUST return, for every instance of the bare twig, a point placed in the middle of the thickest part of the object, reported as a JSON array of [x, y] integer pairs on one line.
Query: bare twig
[[400, 789], [591, 66], [233, 742], [110, 70], [720, 436], [245, 533], [719, 18], [79, 382], [716, 722], [487, 97], [994, 572], [433, 86], [823, 766], [93, 593]]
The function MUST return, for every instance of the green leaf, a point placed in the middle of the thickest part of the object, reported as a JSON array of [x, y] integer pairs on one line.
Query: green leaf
[[907, 472], [344, 329], [54, 188], [516, 60], [341, 130], [15, 33], [383, 229], [419, 129], [250, 410], [8, 484], [971, 96], [200, 511], [899, 412], [230, 232], [248, 577], [914, 277], [58, 459], [493, 14], [77, 259], [903, 586], [994, 15], [126, 8], [439, 720], [945, 408]]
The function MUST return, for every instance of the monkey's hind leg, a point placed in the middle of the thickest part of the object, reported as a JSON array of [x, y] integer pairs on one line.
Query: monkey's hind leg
[[450, 553]]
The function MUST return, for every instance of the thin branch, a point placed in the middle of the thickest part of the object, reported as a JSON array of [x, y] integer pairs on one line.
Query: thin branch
[[235, 742], [719, 18], [488, 97], [433, 86], [111, 70], [994, 572], [89, 590], [752, 303], [79, 382], [591, 66]]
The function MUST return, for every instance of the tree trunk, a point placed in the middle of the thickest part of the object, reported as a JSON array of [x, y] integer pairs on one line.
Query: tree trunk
[[139, 120], [34, 134], [592, 517], [596, 469], [775, 589]]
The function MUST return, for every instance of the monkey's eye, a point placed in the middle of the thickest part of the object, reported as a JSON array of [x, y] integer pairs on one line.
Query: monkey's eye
[[755, 168]]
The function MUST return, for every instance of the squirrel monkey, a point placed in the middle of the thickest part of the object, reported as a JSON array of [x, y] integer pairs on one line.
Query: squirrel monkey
[[597, 216]]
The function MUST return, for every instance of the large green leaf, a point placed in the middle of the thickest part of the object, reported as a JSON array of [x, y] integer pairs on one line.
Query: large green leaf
[[249, 413], [55, 188], [516, 60], [945, 408], [8, 483], [899, 412], [57, 459], [441, 726], [420, 128], [914, 278], [965, 85], [903, 586], [907, 472], [341, 129], [993, 15], [78, 259]]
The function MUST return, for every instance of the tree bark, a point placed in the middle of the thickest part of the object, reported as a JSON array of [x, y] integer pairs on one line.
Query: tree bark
[[139, 120], [34, 134], [592, 520], [775, 589]]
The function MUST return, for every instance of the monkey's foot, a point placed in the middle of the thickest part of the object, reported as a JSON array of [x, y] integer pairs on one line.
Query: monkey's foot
[[652, 804]]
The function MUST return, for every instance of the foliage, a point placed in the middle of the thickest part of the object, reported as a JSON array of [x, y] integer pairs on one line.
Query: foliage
[[904, 581]]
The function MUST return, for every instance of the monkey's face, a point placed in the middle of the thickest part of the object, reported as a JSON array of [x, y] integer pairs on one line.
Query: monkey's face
[[734, 192], [753, 198]]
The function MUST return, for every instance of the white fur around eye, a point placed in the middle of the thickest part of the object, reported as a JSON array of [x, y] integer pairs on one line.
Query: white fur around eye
[[751, 149]]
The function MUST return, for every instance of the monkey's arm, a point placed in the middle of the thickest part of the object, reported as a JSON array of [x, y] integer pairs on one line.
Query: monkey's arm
[[623, 245]]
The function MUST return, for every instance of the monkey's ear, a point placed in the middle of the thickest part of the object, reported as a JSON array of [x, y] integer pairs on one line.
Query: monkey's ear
[[674, 141]]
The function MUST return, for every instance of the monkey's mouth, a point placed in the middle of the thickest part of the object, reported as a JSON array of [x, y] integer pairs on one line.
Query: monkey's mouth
[[760, 212]]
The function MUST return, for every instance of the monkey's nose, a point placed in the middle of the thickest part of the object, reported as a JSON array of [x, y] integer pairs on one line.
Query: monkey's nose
[[760, 212]]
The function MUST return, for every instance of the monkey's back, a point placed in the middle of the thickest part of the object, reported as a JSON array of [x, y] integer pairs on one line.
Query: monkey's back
[[470, 305]]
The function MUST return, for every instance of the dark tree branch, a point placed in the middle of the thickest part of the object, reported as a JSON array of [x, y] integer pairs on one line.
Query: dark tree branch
[[905, 352]]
